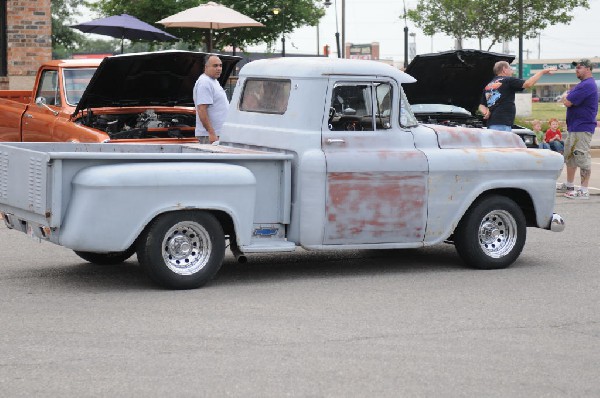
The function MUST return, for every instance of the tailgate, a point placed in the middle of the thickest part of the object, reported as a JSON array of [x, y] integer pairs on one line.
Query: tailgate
[[26, 184]]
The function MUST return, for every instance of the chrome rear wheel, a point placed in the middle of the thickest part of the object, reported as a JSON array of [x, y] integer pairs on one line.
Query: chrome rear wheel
[[182, 249]]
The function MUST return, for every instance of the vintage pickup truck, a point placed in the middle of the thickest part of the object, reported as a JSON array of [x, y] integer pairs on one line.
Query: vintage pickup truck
[[124, 98], [319, 153]]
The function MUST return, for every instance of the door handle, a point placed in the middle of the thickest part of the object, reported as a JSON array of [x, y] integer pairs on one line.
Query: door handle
[[335, 141], [28, 115]]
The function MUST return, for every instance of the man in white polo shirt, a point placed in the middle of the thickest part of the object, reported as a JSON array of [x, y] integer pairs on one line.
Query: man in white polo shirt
[[210, 101]]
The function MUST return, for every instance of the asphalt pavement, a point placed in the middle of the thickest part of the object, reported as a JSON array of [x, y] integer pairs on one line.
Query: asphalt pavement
[[366, 323]]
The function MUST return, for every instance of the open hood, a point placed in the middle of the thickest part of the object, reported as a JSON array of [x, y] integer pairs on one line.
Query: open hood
[[452, 77], [164, 78]]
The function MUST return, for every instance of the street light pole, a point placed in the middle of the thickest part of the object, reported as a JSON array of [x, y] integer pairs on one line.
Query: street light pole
[[344, 28], [405, 38], [283, 45], [405, 47], [327, 3], [520, 39], [277, 11]]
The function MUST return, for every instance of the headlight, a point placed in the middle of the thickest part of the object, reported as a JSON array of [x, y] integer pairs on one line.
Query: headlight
[[528, 140]]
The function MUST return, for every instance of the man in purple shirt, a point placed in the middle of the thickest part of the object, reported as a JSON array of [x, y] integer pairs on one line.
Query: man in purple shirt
[[582, 108]]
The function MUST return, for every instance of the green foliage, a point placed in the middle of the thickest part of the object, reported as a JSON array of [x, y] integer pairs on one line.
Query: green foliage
[[64, 39], [544, 111], [491, 19], [296, 13]]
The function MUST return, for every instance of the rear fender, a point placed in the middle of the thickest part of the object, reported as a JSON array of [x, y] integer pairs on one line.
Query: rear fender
[[112, 204]]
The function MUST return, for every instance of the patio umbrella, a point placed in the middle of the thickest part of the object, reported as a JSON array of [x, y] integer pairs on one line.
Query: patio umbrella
[[209, 16], [124, 27]]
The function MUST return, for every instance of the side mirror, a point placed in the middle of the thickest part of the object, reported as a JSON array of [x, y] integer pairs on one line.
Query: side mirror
[[41, 102]]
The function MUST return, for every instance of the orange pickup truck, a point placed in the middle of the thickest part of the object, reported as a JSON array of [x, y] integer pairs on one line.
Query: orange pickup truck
[[133, 97]]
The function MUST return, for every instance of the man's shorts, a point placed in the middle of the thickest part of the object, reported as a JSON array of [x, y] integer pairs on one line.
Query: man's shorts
[[577, 150]]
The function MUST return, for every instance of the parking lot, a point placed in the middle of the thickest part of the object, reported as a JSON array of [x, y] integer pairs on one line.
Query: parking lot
[[355, 324]]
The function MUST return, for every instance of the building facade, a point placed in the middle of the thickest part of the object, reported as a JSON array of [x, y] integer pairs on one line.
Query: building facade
[[362, 51], [553, 85], [25, 41]]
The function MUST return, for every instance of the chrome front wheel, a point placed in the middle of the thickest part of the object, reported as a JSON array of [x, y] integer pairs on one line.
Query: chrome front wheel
[[492, 233], [498, 233]]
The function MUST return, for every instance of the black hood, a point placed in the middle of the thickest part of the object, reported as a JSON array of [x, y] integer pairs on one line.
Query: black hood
[[452, 77], [163, 78]]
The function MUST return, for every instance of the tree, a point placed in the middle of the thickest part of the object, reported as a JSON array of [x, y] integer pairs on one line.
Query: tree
[[492, 19], [296, 13], [64, 39]]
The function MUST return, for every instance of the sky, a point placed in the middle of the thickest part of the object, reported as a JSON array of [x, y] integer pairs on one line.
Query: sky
[[379, 21]]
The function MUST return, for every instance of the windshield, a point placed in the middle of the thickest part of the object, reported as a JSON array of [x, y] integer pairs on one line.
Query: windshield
[[76, 80]]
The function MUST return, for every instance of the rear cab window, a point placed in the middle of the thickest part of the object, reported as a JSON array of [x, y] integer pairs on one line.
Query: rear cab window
[[265, 96]]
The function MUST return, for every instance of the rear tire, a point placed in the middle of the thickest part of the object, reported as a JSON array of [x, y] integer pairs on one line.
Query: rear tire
[[492, 233], [110, 258], [182, 249]]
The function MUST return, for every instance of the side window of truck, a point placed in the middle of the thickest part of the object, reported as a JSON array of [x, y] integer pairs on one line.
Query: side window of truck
[[48, 87], [360, 106], [265, 96], [407, 118]]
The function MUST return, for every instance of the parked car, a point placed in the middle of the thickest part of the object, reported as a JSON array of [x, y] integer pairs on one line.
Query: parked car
[[449, 86]]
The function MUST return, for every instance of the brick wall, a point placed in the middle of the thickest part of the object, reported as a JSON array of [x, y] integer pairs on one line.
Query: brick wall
[[29, 41]]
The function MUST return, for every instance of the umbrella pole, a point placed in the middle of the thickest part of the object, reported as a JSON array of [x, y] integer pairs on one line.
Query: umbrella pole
[[210, 43]]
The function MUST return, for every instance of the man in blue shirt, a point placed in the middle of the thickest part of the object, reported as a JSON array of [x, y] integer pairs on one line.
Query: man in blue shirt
[[582, 108]]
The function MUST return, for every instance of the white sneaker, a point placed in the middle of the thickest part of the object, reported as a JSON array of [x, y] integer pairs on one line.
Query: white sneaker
[[577, 194], [562, 188]]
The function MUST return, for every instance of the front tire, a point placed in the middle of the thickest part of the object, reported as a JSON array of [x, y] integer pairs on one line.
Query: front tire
[[182, 249], [492, 233]]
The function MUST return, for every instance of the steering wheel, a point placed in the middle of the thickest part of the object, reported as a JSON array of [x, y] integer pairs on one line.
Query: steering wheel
[[352, 125], [332, 113]]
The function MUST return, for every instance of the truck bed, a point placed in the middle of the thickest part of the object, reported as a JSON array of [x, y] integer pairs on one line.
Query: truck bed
[[22, 96], [35, 185]]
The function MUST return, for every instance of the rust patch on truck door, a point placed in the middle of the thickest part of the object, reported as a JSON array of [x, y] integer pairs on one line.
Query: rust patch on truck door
[[375, 207]]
